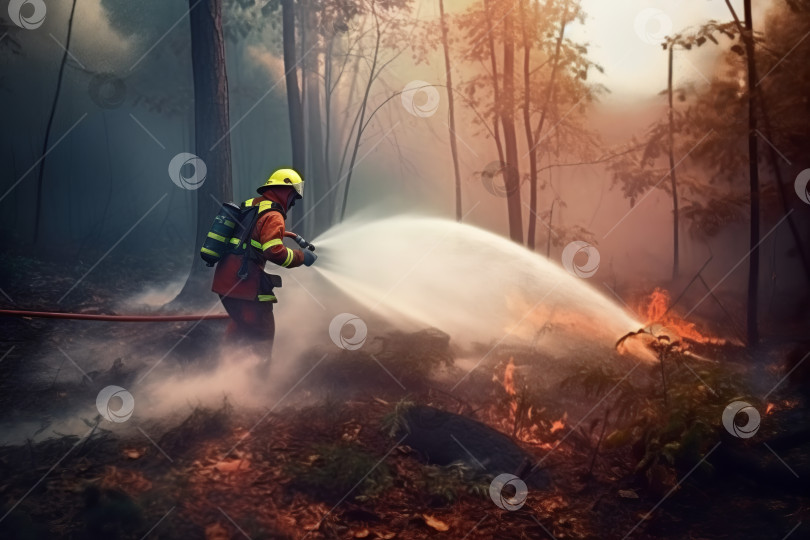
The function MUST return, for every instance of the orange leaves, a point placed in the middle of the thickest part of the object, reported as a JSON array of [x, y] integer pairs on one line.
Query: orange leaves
[[435, 523]]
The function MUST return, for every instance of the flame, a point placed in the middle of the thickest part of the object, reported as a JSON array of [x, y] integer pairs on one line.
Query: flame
[[509, 377], [509, 384], [657, 312], [557, 425], [785, 404]]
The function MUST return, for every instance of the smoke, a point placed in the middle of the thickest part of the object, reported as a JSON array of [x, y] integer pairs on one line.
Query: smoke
[[152, 296], [272, 64], [405, 273], [96, 45]]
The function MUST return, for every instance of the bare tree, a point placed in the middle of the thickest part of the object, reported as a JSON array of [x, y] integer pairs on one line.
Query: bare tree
[[753, 172], [54, 103], [533, 139], [294, 105], [753, 180], [211, 125], [493, 61], [451, 107], [512, 174], [673, 181]]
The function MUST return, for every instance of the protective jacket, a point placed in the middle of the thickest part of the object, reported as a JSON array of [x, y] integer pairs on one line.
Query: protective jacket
[[266, 242]]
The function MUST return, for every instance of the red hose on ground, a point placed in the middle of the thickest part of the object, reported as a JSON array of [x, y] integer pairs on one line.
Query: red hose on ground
[[112, 318], [118, 318]]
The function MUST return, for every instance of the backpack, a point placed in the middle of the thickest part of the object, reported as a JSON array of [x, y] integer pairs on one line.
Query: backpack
[[230, 232]]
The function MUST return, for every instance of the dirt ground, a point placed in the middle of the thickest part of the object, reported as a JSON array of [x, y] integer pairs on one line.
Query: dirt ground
[[646, 457]]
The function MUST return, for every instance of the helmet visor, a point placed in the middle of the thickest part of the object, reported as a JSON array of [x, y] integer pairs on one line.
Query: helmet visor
[[299, 188]]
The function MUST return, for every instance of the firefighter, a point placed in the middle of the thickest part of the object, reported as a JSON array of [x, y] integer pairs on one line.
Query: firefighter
[[248, 298]]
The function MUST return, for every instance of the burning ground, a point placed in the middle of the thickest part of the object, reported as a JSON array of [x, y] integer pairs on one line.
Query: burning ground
[[379, 443]]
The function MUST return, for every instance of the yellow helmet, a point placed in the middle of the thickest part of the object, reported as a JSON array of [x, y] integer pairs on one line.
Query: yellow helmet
[[285, 177]]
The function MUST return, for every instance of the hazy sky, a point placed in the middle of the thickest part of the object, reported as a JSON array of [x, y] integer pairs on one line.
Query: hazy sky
[[624, 36]]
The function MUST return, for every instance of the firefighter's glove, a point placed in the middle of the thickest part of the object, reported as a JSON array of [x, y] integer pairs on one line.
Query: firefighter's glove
[[309, 258]]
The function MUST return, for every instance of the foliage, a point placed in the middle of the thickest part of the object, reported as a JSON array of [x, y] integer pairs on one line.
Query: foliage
[[572, 89], [639, 171], [713, 127], [334, 470], [667, 426], [395, 423], [714, 210], [711, 136], [448, 483]]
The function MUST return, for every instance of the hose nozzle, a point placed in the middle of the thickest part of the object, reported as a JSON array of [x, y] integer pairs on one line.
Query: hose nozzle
[[303, 243]]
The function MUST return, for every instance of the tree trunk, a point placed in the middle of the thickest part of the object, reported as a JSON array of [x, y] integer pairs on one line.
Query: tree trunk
[[315, 222], [304, 224], [318, 183], [443, 438], [675, 246], [509, 133], [451, 107], [41, 172], [781, 189], [493, 61], [550, 218], [362, 115], [535, 139], [327, 109], [294, 106], [753, 171], [211, 124], [527, 125], [317, 173]]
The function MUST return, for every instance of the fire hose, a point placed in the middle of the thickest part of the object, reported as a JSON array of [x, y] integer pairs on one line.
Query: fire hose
[[133, 318], [112, 318]]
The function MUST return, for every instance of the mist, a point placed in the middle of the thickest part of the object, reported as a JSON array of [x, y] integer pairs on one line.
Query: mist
[[560, 245]]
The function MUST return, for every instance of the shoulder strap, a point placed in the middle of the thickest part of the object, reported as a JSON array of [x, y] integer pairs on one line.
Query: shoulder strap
[[265, 206], [247, 220]]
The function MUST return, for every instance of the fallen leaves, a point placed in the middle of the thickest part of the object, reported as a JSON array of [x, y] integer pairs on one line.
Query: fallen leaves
[[133, 453], [131, 482], [435, 523], [232, 466], [216, 531]]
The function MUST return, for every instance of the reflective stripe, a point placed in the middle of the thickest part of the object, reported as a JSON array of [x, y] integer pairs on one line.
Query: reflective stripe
[[290, 255], [266, 298], [254, 243], [264, 204], [209, 252], [271, 243], [230, 223], [216, 236]]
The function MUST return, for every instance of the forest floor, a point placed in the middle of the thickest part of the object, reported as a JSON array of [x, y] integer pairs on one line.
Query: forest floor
[[637, 456]]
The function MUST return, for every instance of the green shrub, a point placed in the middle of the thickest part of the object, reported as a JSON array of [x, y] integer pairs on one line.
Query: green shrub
[[333, 471]]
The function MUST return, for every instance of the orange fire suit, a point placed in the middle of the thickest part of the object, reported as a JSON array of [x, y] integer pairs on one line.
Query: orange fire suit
[[249, 302]]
